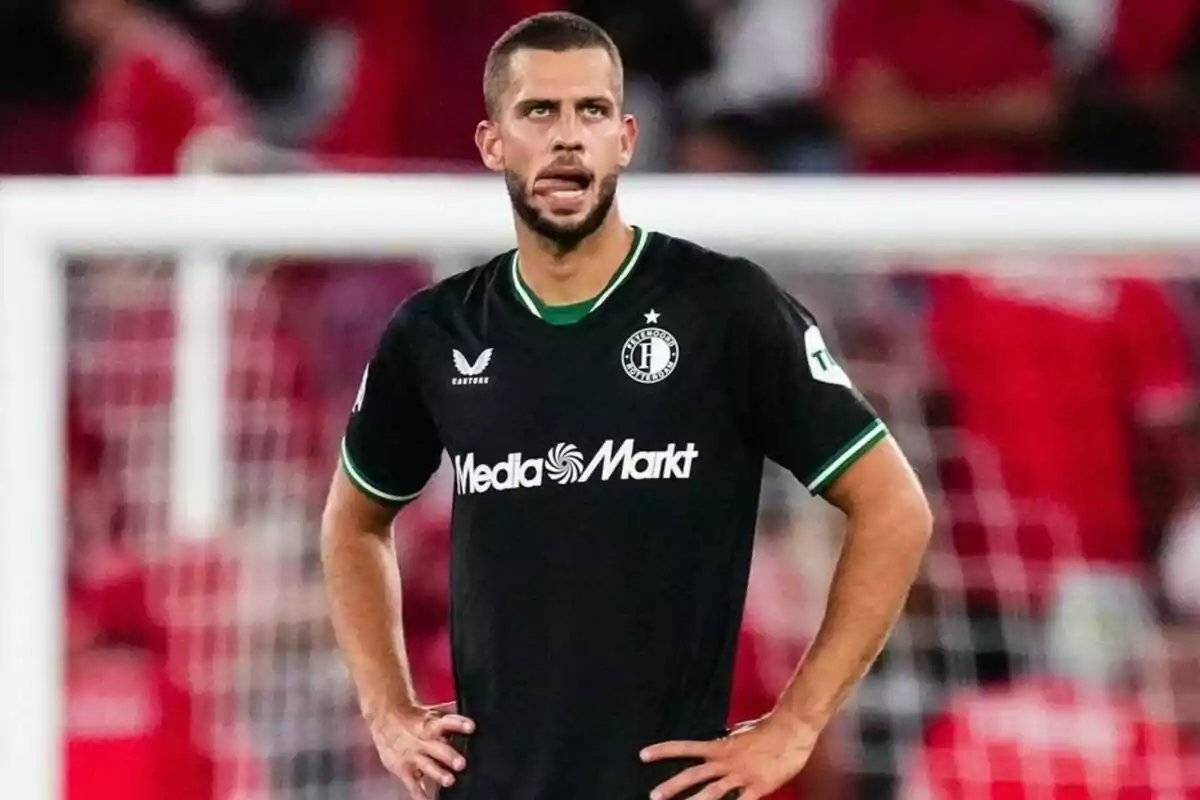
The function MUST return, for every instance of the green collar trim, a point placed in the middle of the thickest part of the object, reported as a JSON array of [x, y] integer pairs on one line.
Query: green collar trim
[[574, 312]]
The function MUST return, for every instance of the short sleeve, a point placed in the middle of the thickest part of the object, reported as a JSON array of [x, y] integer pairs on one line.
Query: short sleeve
[[800, 407], [1156, 368], [391, 447]]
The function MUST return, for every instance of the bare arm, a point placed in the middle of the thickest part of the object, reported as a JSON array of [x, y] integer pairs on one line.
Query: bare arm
[[888, 529], [363, 582], [880, 114]]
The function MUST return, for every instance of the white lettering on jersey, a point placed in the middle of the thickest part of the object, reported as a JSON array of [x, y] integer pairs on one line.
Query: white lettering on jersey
[[820, 360], [564, 464]]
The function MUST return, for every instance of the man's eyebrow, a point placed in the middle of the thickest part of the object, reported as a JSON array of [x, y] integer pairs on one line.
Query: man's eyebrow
[[534, 102]]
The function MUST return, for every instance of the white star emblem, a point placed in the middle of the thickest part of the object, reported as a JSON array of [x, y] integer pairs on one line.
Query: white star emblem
[[652, 317]]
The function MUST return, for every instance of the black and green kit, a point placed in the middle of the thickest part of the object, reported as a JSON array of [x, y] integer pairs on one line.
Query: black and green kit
[[607, 460]]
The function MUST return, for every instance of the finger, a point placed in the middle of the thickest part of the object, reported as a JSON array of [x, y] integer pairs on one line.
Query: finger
[[432, 769], [718, 790], [451, 723], [701, 773], [445, 754], [657, 752], [444, 708], [411, 785]]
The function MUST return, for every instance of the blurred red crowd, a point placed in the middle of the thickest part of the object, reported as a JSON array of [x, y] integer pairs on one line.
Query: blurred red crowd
[[1076, 397]]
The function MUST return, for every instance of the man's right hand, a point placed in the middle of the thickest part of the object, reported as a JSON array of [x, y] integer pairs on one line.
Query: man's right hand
[[414, 745]]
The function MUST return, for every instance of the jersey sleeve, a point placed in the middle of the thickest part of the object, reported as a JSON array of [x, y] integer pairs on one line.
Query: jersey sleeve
[[391, 447], [800, 407], [1156, 369]]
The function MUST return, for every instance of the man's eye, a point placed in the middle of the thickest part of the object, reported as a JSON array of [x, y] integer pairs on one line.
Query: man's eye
[[539, 111], [594, 110]]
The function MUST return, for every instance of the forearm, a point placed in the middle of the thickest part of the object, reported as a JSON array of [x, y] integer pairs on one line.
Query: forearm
[[363, 583], [886, 117], [878, 564], [1013, 113]]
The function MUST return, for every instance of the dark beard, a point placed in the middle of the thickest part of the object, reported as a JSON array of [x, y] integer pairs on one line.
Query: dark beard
[[565, 238]]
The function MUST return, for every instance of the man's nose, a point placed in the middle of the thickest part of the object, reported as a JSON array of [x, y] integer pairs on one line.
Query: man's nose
[[568, 133]]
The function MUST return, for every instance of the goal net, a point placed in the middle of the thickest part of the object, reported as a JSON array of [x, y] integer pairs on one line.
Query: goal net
[[1031, 346]]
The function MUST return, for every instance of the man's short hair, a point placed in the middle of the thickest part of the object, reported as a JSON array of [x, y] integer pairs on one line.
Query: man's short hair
[[556, 31]]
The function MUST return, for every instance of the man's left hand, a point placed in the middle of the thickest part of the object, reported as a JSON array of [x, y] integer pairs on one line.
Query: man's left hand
[[754, 760]]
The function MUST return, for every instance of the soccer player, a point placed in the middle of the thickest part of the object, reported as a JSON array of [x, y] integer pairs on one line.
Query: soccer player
[[607, 395]]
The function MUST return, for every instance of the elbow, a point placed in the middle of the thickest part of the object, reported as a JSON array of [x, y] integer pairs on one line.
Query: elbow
[[919, 525], [922, 520], [911, 522], [330, 537]]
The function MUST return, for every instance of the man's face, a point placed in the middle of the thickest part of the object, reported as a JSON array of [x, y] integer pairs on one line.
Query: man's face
[[560, 139]]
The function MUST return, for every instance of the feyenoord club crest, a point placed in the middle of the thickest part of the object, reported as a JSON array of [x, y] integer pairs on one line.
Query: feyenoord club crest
[[650, 355]]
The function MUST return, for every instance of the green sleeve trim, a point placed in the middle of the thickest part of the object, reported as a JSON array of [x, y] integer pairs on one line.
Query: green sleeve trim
[[366, 487], [842, 459]]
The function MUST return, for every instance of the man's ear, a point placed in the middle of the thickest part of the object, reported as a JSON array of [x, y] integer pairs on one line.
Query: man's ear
[[629, 135], [491, 147]]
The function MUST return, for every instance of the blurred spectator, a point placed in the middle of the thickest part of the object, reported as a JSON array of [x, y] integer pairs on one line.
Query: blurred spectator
[[1049, 738], [1134, 106], [1084, 388], [413, 91], [725, 142], [769, 63], [1100, 723], [128, 726], [286, 69], [153, 90], [943, 86], [1155, 57], [946, 87]]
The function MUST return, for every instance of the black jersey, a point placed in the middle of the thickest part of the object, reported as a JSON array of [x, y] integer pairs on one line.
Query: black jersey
[[607, 477]]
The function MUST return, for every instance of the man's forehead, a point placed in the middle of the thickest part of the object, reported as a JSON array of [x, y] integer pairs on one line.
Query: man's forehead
[[550, 75]]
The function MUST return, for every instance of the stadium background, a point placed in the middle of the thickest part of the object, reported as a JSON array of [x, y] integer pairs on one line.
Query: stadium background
[[1051, 647]]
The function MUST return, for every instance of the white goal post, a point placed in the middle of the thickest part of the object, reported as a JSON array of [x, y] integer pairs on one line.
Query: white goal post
[[207, 220]]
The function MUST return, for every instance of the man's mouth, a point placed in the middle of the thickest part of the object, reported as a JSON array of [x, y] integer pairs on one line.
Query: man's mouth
[[563, 183]]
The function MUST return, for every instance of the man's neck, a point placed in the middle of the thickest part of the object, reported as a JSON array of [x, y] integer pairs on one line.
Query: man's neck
[[560, 279]]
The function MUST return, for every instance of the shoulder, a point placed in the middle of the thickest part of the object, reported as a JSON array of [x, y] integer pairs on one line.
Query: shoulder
[[738, 284], [705, 267], [447, 300]]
